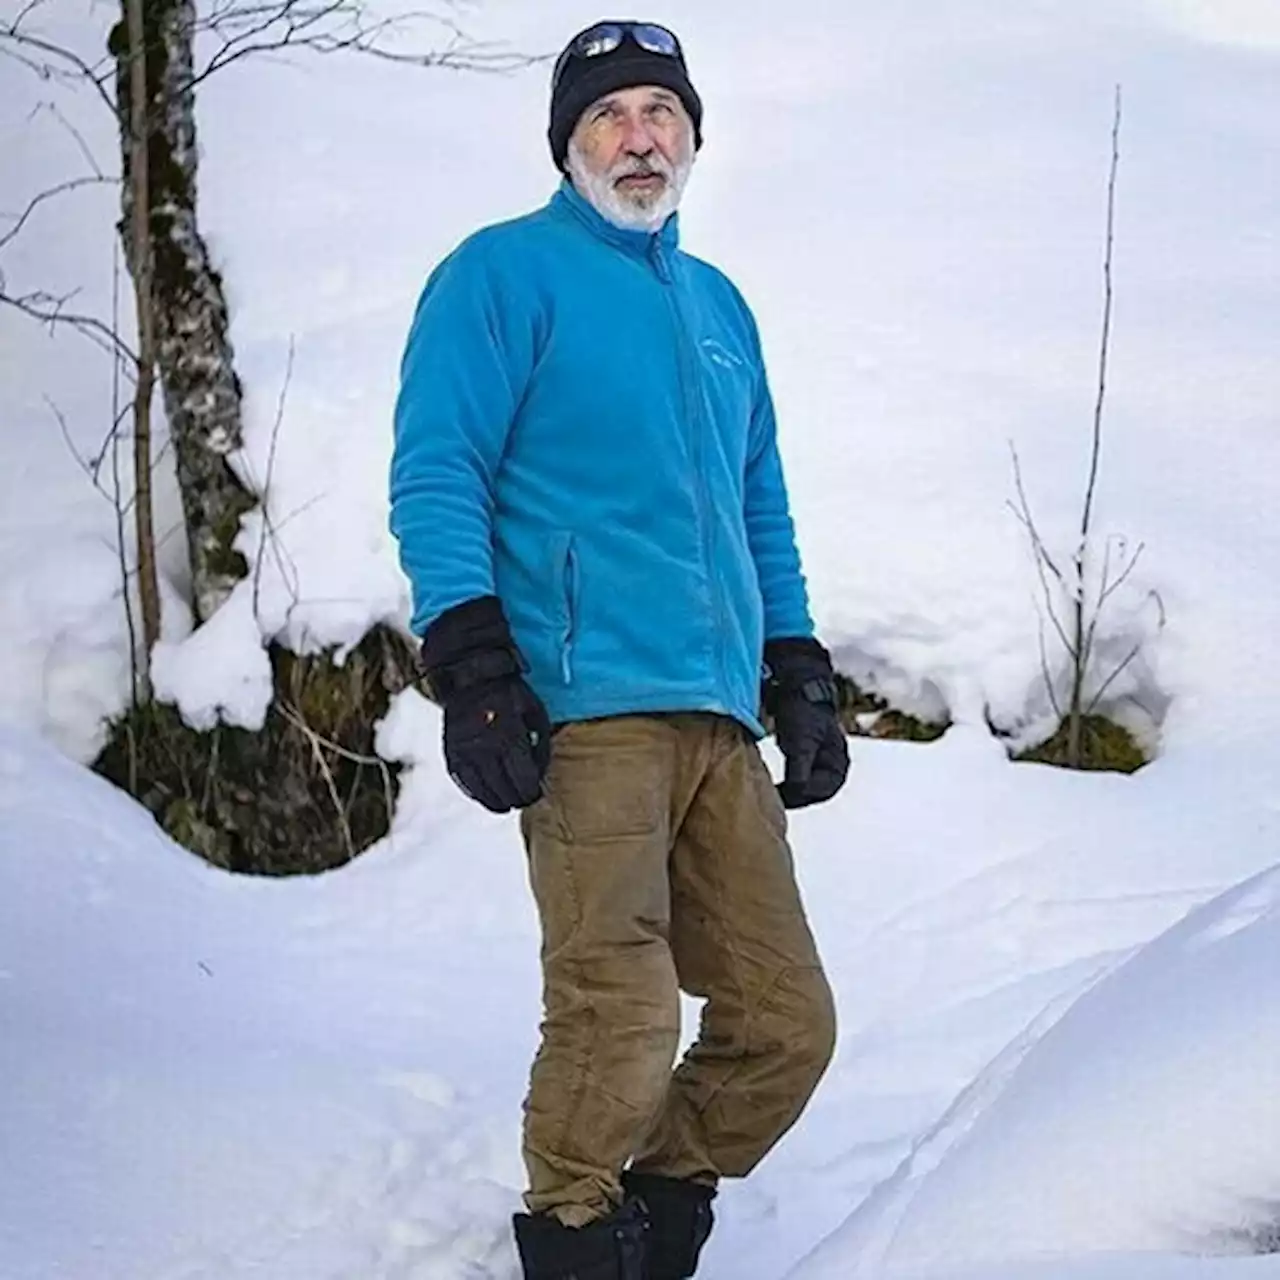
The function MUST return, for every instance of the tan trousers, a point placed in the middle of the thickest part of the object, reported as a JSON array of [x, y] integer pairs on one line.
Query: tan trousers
[[659, 862]]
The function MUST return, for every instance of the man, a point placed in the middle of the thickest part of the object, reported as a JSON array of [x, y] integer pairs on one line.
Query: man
[[590, 507]]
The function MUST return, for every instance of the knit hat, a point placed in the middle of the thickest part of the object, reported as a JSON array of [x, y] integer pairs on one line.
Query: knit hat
[[583, 80]]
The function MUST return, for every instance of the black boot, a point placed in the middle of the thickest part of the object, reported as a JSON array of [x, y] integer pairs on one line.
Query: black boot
[[680, 1220], [611, 1248]]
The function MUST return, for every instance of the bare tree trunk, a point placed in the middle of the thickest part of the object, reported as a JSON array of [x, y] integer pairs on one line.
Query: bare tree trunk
[[1082, 629], [1075, 709], [136, 131], [202, 394]]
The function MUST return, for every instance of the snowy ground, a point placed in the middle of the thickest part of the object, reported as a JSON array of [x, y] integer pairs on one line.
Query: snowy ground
[[208, 1079]]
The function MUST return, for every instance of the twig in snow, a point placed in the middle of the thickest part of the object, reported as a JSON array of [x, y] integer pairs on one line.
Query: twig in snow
[[117, 412], [264, 495], [314, 741]]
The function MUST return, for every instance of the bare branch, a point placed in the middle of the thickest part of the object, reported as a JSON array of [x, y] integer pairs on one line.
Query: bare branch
[[297, 21], [1024, 514], [472, 59], [36, 68], [294, 716], [1041, 561], [117, 415], [1132, 654], [85, 150], [339, 750], [91, 469], [26, 11], [1106, 591], [337, 26], [301, 509], [1039, 551], [160, 455], [265, 492], [1162, 616], [1087, 514], [1087, 621], [72, 184], [1051, 608], [1137, 702], [1115, 586], [284, 561], [313, 739], [81, 461], [73, 69], [1044, 669], [49, 310], [100, 457], [1107, 683], [1105, 576]]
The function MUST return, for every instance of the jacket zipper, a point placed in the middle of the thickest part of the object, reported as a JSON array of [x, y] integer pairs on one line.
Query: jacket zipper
[[698, 429], [569, 587]]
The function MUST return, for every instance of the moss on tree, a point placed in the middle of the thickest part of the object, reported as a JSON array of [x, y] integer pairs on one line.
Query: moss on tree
[[867, 715], [1104, 745], [304, 794]]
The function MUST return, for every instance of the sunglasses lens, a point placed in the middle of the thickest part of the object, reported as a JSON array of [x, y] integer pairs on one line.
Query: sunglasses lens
[[655, 39], [605, 37], [602, 39]]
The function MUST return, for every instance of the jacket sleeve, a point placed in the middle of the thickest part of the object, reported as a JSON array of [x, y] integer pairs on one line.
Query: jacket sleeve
[[467, 361], [770, 531]]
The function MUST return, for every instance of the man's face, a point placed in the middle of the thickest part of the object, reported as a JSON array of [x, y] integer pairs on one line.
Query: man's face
[[638, 145]]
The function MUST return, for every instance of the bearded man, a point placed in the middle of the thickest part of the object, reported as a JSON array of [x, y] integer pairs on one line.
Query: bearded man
[[590, 508]]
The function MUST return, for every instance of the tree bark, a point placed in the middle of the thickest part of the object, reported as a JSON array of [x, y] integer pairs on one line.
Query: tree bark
[[194, 356]]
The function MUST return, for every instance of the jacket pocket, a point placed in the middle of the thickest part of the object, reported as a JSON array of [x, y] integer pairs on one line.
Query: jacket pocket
[[565, 569]]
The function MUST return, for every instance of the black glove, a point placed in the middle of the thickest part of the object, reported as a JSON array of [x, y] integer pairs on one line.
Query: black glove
[[497, 737], [800, 694]]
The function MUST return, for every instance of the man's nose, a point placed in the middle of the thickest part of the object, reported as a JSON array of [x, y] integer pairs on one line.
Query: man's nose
[[636, 137]]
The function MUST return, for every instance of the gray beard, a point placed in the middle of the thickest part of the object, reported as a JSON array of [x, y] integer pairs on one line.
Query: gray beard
[[630, 215]]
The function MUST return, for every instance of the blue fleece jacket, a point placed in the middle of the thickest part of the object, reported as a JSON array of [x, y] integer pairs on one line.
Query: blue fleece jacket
[[584, 429]]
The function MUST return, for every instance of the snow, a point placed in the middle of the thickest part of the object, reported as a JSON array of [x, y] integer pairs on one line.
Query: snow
[[185, 1082], [1056, 994], [1145, 1120], [209, 1075]]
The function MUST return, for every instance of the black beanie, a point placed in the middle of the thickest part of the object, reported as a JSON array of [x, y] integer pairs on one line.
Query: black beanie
[[583, 80]]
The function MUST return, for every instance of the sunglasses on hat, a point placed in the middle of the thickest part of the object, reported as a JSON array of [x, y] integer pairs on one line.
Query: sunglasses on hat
[[605, 37]]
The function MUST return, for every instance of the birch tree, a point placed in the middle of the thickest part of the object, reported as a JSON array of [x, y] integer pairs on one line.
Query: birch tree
[[309, 791]]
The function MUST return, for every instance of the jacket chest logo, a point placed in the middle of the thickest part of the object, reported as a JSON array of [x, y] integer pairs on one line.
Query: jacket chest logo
[[720, 355]]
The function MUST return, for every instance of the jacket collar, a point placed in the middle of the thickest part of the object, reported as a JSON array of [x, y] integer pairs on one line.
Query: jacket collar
[[569, 202]]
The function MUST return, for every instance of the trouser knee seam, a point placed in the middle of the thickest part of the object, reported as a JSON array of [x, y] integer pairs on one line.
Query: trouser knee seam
[[750, 1021]]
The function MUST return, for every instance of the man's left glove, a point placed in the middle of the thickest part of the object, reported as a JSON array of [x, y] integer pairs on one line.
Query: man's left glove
[[497, 736], [800, 694]]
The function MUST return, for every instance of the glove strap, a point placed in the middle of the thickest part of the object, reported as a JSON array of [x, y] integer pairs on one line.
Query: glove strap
[[798, 667], [469, 645], [475, 669], [822, 690]]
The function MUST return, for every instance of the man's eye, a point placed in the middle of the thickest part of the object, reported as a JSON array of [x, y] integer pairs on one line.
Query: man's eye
[[660, 107]]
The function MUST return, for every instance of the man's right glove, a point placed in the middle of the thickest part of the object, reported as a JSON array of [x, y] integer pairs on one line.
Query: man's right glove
[[800, 694], [497, 737]]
